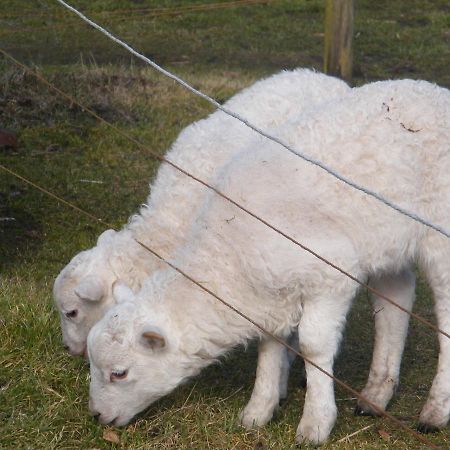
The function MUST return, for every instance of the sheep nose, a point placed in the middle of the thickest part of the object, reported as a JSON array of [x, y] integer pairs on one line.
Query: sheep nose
[[75, 351]]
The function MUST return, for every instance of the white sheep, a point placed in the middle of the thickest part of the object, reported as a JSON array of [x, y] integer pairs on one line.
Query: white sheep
[[82, 291], [392, 137]]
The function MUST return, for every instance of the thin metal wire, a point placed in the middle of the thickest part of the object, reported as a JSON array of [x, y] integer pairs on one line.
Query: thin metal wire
[[195, 8], [225, 303], [56, 197], [151, 14], [302, 155], [224, 196], [148, 11]]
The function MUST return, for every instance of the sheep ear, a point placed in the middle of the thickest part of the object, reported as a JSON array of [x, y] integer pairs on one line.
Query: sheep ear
[[153, 340], [91, 289], [106, 237], [121, 292]]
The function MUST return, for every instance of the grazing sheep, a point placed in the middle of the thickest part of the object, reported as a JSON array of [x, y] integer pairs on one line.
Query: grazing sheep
[[82, 291], [392, 137]]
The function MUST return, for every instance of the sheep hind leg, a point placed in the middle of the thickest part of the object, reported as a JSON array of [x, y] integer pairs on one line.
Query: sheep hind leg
[[436, 411], [391, 328], [270, 384]]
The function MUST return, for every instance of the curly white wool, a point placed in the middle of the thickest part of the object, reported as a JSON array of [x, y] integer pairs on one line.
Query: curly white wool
[[85, 284], [393, 136]]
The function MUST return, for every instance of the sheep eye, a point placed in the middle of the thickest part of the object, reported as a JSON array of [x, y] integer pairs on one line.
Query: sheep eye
[[118, 375], [72, 314]]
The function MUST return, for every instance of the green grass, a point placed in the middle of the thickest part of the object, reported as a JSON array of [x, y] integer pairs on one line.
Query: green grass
[[43, 392]]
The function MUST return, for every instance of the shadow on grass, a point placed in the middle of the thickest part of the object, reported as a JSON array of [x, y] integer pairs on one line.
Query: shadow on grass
[[20, 234]]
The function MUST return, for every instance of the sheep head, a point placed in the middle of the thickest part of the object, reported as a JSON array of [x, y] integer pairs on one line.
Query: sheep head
[[82, 293], [135, 356]]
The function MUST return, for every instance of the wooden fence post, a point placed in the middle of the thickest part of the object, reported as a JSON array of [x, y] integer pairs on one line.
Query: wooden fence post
[[339, 38]]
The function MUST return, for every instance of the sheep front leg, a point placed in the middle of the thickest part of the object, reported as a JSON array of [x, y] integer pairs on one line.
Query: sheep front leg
[[271, 383], [391, 328], [320, 331]]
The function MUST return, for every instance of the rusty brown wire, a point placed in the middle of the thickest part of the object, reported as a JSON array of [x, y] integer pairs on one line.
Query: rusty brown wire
[[341, 383], [196, 7], [145, 11], [147, 14], [225, 303]]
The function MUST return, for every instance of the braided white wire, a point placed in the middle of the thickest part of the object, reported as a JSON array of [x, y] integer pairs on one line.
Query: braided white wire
[[302, 155]]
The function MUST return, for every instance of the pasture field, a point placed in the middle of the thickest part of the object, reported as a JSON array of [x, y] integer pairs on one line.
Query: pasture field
[[44, 391]]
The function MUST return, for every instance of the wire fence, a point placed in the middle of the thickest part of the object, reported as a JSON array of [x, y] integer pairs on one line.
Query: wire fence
[[128, 15], [124, 12], [80, 210], [256, 217]]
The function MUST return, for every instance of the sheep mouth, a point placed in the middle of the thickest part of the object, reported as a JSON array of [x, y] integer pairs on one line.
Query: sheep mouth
[[105, 420], [73, 352]]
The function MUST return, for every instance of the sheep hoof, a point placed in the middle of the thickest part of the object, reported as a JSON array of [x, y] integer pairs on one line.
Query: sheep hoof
[[250, 418], [426, 428], [364, 411]]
